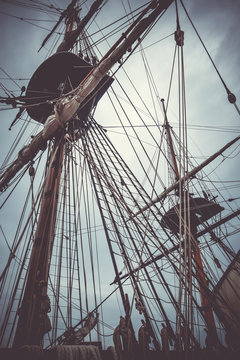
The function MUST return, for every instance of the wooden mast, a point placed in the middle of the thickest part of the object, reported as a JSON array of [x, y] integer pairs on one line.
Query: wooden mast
[[207, 311], [33, 319]]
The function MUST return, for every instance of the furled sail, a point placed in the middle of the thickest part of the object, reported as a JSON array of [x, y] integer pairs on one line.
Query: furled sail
[[227, 294]]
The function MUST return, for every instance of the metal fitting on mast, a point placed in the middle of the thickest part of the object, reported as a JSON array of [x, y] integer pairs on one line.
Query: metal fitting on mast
[[179, 37]]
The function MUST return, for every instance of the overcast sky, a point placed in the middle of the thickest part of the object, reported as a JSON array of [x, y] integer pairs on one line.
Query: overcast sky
[[218, 24], [207, 106]]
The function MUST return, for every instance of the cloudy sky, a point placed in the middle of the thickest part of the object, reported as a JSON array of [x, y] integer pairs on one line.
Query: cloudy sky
[[216, 20], [23, 29]]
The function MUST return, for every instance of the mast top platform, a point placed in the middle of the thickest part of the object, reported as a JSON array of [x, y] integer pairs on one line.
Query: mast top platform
[[201, 210], [55, 77]]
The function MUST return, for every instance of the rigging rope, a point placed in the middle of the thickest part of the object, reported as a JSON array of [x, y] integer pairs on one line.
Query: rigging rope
[[231, 96]]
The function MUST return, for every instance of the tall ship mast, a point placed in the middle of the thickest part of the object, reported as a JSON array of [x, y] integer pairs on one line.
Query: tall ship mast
[[119, 223]]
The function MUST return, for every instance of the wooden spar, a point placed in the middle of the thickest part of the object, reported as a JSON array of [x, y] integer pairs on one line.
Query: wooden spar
[[167, 128], [33, 319], [67, 106], [218, 223], [64, 13], [176, 247], [188, 176], [71, 36]]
